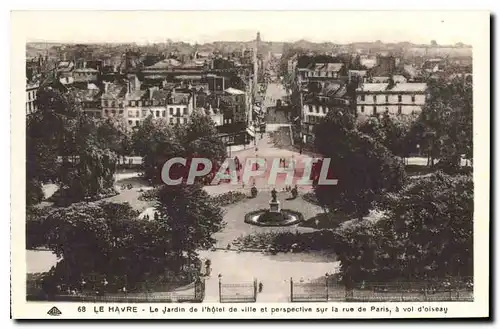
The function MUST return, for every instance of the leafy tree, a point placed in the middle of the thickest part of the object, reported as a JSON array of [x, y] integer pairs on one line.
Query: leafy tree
[[372, 127], [426, 232], [114, 133], [34, 192], [103, 239], [394, 132], [68, 148], [445, 124], [189, 217], [365, 169], [200, 138], [156, 142]]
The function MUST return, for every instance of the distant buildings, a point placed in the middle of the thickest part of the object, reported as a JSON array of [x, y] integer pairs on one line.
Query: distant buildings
[[323, 86], [171, 87], [366, 85]]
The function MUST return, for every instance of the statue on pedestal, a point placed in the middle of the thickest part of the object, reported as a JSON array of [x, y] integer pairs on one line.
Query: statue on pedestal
[[273, 195]]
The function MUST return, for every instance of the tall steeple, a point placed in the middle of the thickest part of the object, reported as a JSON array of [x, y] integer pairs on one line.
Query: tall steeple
[[255, 74]]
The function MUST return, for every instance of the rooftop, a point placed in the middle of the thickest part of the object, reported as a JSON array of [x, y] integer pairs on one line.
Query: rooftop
[[66, 80], [328, 67], [115, 91], [358, 72], [154, 77], [164, 64], [234, 91], [380, 79], [411, 70], [398, 87], [179, 98], [160, 95], [204, 54], [136, 95], [64, 64], [87, 69], [409, 87], [86, 95], [188, 77]]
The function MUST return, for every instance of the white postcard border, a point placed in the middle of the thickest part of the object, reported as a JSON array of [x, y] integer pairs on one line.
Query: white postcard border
[[478, 22]]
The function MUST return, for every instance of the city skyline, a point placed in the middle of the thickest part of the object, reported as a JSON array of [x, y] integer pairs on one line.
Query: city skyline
[[446, 28]]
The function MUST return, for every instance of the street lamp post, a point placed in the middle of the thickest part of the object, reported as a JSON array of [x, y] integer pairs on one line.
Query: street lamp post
[[220, 287], [326, 283]]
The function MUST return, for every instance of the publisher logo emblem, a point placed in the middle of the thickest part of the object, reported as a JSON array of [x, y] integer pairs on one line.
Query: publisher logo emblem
[[54, 311]]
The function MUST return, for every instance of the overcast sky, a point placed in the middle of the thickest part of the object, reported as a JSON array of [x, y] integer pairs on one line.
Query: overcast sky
[[199, 26]]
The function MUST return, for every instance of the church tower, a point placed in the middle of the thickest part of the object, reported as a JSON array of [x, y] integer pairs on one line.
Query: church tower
[[255, 86]]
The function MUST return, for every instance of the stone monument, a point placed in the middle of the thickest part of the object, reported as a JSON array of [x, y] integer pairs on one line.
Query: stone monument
[[274, 204]]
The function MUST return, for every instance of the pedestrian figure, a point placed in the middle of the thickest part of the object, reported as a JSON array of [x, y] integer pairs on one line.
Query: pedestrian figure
[[261, 286]]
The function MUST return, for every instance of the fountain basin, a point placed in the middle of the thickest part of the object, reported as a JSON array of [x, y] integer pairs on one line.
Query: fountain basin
[[265, 217]]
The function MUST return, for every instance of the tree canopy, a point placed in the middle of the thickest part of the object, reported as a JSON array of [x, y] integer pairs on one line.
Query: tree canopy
[[426, 232], [69, 148], [365, 169], [189, 216], [109, 240], [157, 142], [394, 132], [444, 129]]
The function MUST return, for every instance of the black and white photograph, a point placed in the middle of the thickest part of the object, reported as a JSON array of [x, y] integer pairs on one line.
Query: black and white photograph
[[251, 164]]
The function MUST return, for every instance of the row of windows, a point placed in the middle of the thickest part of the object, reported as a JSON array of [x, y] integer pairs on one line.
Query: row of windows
[[106, 112], [171, 121], [30, 107], [313, 119], [228, 139], [134, 103], [400, 98], [374, 109], [321, 74], [158, 112], [324, 109], [31, 95], [80, 74]]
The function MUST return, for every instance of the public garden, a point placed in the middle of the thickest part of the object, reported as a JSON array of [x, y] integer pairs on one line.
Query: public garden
[[159, 240]]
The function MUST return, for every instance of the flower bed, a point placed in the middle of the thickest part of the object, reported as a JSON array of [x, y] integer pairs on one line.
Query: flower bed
[[229, 198], [284, 241], [311, 198], [149, 195]]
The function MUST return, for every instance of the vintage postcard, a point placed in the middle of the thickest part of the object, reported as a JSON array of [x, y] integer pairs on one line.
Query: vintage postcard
[[250, 165]]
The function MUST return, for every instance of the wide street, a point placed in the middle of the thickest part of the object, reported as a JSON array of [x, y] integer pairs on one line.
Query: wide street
[[273, 271]]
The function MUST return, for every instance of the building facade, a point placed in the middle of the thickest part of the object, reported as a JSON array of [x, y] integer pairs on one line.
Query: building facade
[[31, 93], [400, 98], [316, 109]]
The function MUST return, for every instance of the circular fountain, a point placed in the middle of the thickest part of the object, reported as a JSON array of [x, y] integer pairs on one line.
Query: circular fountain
[[274, 216]]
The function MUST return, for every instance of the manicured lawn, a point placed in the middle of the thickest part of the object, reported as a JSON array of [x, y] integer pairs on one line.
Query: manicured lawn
[[132, 197]]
